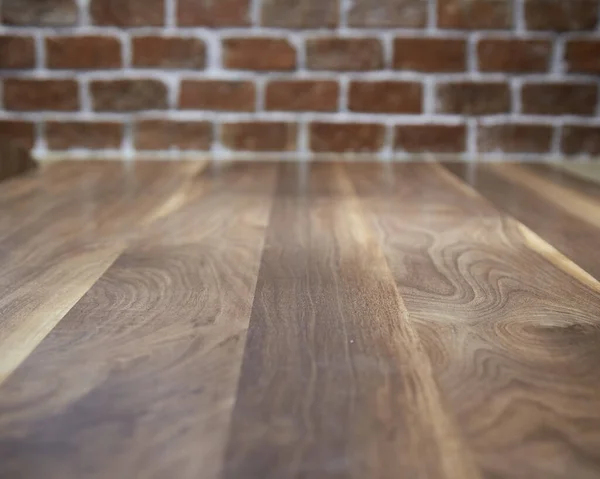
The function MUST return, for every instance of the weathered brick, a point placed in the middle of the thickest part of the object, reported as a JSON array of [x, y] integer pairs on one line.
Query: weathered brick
[[561, 15], [128, 13], [40, 95], [77, 134], [128, 95], [168, 52], [430, 138], [346, 137], [17, 52], [430, 54], [259, 54], [473, 98], [17, 132], [300, 13], [388, 13], [385, 97], [39, 12], [213, 13], [218, 95], [344, 54], [514, 56], [514, 138], [302, 95], [259, 136], [165, 134], [475, 14], [580, 140], [583, 56], [559, 98], [83, 52]]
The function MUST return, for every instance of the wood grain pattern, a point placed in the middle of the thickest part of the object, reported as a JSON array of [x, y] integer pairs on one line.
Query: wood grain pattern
[[59, 238], [299, 321], [554, 214], [512, 338], [148, 383], [334, 382]]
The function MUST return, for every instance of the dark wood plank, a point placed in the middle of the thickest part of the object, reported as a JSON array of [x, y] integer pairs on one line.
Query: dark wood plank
[[334, 381], [144, 367], [558, 212], [60, 230], [510, 325]]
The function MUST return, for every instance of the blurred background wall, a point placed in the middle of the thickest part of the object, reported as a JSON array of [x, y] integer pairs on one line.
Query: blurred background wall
[[517, 78]]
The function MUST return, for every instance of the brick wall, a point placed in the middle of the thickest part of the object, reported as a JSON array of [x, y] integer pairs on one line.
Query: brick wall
[[390, 77]]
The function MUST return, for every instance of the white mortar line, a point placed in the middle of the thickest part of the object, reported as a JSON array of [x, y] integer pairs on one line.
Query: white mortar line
[[471, 146], [431, 27], [170, 14], [519, 16], [84, 12], [255, 7], [556, 139], [344, 91]]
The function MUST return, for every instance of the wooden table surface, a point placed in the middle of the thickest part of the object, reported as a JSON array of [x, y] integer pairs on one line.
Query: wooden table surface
[[307, 321]]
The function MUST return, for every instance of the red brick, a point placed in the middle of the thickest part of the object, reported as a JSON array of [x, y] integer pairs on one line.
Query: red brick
[[388, 13], [213, 13], [17, 52], [93, 135], [128, 95], [346, 137], [17, 132], [386, 97], [259, 54], [164, 135], [431, 138], [168, 52], [514, 138], [430, 54], [128, 13], [39, 12], [344, 54], [219, 95], [561, 15], [40, 95], [559, 98], [302, 95], [475, 14], [583, 56], [473, 98], [580, 140], [86, 52], [514, 56], [259, 136], [300, 13]]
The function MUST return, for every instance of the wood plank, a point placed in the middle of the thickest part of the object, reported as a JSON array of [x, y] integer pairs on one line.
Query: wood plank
[[556, 212], [587, 171], [145, 366], [334, 382], [60, 237], [512, 336]]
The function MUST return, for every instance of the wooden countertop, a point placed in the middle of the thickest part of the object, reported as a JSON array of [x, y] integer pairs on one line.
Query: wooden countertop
[[265, 320]]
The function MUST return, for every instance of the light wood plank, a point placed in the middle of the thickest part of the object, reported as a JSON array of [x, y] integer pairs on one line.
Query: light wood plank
[[566, 229], [61, 230]]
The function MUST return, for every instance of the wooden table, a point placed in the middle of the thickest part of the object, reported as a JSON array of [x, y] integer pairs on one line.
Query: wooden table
[[292, 320]]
